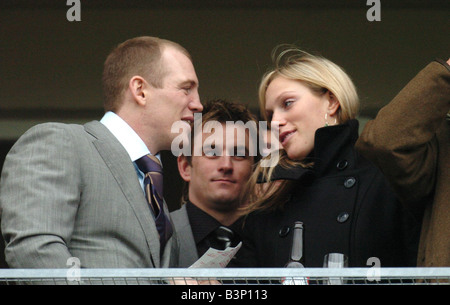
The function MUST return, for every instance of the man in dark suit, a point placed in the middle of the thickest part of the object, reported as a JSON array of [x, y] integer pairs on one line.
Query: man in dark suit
[[209, 216], [78, 191]]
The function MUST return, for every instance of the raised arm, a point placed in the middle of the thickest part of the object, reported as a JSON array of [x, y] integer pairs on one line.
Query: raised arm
[[402, 139]]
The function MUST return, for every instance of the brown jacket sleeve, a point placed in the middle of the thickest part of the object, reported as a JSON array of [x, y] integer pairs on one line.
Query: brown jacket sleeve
[[402, 139]]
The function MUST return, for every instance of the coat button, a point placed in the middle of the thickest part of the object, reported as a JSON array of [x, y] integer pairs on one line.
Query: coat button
[[349, 182], [342, 217], [284, 231], [342, 165]]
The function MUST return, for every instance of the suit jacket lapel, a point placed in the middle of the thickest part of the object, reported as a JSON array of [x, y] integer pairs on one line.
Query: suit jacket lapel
[[171, 251], [185, 237], [121, 167]]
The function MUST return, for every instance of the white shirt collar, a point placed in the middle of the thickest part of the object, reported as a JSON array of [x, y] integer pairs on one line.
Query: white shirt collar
[[129, 139]]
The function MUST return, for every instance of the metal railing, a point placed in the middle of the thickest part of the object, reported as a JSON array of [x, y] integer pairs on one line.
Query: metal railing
[[228, 276]]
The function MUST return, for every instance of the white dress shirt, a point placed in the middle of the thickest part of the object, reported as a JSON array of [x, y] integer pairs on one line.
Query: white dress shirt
[[129, 139]]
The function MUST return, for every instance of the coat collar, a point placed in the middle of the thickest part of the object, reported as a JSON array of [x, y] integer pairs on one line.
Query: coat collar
[[328, 145]]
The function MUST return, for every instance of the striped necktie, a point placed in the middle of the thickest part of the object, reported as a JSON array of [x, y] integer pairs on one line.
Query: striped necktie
[[153, 185]]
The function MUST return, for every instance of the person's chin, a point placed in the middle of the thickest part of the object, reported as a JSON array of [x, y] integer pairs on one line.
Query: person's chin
[[224, 197], [295, 155]]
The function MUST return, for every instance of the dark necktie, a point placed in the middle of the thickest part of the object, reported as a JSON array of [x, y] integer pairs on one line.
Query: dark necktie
[[153, 185], [223, 238]]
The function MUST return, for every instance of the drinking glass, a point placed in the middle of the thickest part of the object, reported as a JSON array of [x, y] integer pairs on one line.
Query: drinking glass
[[335, 260]]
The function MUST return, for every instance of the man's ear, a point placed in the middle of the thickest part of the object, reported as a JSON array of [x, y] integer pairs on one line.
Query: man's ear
[[138, 88], [184, 168], [334, 104]]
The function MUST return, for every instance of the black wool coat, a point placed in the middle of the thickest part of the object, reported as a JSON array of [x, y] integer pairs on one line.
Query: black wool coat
[[346, 206]]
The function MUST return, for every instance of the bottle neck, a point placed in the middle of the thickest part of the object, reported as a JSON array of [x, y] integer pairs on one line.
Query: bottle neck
[[296, 255]]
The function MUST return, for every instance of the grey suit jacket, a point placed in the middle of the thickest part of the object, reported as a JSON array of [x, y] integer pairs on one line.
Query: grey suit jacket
[[72, 191], [188, 249]]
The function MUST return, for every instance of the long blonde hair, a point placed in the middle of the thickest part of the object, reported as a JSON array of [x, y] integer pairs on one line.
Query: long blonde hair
[[320, 75]]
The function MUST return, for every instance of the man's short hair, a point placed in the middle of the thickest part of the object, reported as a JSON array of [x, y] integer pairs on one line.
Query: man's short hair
[[137, 56], [222, 111]]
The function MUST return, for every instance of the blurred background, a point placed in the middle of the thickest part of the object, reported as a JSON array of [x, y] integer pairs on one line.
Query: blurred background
[[51, 68]]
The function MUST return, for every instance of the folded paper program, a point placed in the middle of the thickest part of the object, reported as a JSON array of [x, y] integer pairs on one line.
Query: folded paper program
[[216, 258]]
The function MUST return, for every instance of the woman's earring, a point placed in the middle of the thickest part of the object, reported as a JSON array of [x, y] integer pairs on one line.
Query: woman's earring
[[326, 120]]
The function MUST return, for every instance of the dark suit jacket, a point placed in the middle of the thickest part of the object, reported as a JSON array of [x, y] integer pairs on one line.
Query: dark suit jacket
[[72, 191], [409, 141]]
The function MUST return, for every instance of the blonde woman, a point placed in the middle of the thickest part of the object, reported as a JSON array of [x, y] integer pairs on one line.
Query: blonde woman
[[343, 200]]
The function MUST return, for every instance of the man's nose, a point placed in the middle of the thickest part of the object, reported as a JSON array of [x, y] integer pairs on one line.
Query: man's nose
[[195, 105], [225, 163]]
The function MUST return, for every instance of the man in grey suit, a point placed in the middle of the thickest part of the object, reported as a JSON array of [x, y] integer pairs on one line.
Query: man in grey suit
[[75, 191], [209, 216]]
